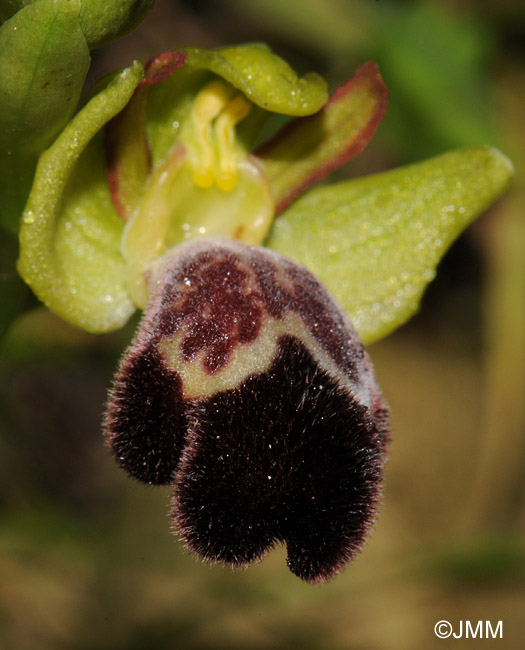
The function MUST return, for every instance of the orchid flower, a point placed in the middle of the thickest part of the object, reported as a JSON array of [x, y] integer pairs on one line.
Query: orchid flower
[[247, 386]]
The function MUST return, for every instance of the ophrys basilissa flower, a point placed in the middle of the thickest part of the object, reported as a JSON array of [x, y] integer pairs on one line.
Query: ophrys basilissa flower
[[246, 386]]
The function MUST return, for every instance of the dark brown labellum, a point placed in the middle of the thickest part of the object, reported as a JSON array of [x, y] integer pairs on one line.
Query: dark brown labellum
[[249, 390]]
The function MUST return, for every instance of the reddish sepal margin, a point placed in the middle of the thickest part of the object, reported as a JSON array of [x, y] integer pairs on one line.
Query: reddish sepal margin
[[130, 123], [294, 132]]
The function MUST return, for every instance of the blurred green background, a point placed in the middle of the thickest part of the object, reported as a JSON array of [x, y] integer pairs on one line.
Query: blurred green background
[[87, 560]]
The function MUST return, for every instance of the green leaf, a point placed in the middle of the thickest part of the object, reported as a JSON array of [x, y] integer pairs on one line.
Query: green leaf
[[103, 21], [70, 234], [310, 148], [44, 59], [376, 241], [263, 77]]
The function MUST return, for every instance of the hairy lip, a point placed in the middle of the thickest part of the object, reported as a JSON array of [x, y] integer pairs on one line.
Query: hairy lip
[[247, 388]]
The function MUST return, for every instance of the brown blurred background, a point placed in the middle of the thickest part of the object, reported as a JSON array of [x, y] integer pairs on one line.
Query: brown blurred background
[[87, 560]]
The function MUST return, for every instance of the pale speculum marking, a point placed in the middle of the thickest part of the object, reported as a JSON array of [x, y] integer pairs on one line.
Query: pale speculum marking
[[226, 306]]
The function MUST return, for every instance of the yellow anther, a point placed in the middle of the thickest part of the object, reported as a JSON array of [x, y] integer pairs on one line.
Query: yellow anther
[[203, 177], [235, 110], [212, 143], [227, 181], [208, 104], [232, 114]]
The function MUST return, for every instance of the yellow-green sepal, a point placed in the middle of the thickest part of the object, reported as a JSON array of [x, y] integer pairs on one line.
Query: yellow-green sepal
[[70, 233], [375, 242], [263, 77]]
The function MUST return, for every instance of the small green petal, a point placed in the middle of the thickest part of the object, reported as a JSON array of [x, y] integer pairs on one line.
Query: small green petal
[[168, 107], [309, 148], [44, 59], [263, 77], [376, 241], [127, 148], [70, 234], [128, 158]]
